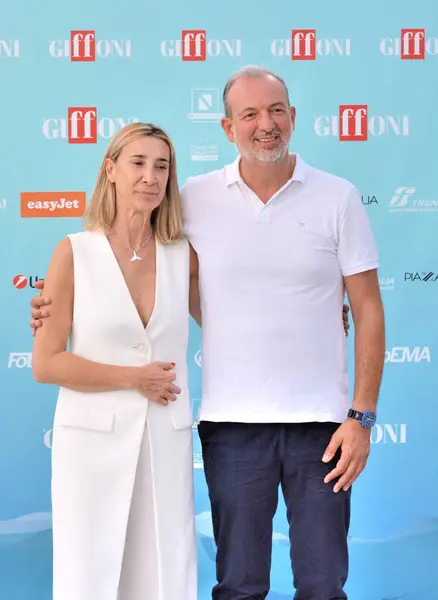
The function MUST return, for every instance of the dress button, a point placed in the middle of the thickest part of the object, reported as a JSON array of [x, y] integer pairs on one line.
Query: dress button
[[142, 348]]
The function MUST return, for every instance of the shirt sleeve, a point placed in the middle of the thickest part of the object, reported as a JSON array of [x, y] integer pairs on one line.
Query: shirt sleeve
[[357, 250]]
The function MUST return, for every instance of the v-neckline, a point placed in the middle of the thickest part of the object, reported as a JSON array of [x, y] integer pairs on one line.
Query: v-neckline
[[126, 287]]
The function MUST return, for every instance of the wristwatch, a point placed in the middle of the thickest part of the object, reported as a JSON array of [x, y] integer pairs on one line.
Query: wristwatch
[[367, 418]]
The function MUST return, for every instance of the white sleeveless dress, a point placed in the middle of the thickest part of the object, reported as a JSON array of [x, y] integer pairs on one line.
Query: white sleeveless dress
[[122, 477]]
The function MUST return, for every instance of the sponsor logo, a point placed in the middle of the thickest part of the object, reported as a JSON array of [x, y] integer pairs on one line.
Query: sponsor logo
[[411, 45], [21, 281], [368, 200], [52, 204], [9, 49], [204, 152], [387, 284], [389, 434], [198, 358], [305, 45], [198, 463], [84, 47], [194, 46], [403, 354], [83, 126], [353, 121], [402, 201], [353, 124], [3, 204], [422, 276], [205, 105], [20, 360]]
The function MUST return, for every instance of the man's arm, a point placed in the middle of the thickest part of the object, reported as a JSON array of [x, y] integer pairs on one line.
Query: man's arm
[[358, 261], [368, 318], [194, 300], [369, 337]]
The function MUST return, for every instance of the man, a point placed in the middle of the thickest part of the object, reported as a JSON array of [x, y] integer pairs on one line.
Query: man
[[278, 242]]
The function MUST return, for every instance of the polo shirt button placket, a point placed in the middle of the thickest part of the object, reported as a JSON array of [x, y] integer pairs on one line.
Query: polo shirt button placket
[[264, 215]]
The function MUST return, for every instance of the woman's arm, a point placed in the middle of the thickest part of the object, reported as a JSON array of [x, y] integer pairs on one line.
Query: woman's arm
[[51, 362]]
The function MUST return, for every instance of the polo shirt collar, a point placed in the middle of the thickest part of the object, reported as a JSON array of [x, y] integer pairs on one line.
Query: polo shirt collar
[[232, 172]]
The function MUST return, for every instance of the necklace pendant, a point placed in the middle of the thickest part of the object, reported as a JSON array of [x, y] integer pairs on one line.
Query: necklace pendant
[[135, 257]]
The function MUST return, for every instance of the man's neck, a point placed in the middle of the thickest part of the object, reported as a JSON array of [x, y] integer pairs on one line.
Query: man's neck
[[265, 179]]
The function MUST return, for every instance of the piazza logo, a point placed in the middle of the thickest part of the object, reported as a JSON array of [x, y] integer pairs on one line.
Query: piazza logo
[[36, 205]]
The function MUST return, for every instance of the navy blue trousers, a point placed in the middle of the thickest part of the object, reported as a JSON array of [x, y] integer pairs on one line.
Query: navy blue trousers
[[245, 464]]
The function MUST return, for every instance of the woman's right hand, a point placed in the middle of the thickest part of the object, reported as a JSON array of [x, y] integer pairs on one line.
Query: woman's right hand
[[155, 382]]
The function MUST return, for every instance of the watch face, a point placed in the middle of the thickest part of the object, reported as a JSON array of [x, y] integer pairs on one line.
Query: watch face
[[369, 419]]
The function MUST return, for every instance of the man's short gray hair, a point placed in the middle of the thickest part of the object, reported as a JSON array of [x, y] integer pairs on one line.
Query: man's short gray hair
[[250, 71]]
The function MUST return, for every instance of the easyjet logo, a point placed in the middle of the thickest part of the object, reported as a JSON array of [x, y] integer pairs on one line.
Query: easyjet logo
[[52, 204]]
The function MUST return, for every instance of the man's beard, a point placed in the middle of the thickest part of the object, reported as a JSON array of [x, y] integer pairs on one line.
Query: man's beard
[[266, 155]]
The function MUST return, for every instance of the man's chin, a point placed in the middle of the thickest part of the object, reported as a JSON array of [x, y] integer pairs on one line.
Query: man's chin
[[265, 156]]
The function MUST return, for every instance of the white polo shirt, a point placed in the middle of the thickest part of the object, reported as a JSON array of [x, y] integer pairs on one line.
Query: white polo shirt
[[272, 290]]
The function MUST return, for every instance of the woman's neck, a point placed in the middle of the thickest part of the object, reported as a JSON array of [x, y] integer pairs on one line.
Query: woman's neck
[[131, 229]]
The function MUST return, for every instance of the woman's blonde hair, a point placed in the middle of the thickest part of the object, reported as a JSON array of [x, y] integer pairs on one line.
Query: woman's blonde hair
[[166, 219]]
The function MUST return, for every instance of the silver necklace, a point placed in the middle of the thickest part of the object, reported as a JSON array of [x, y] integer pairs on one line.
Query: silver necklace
[[134, 252]]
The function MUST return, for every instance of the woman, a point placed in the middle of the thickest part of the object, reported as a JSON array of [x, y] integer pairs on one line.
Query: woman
[[122, 479]]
